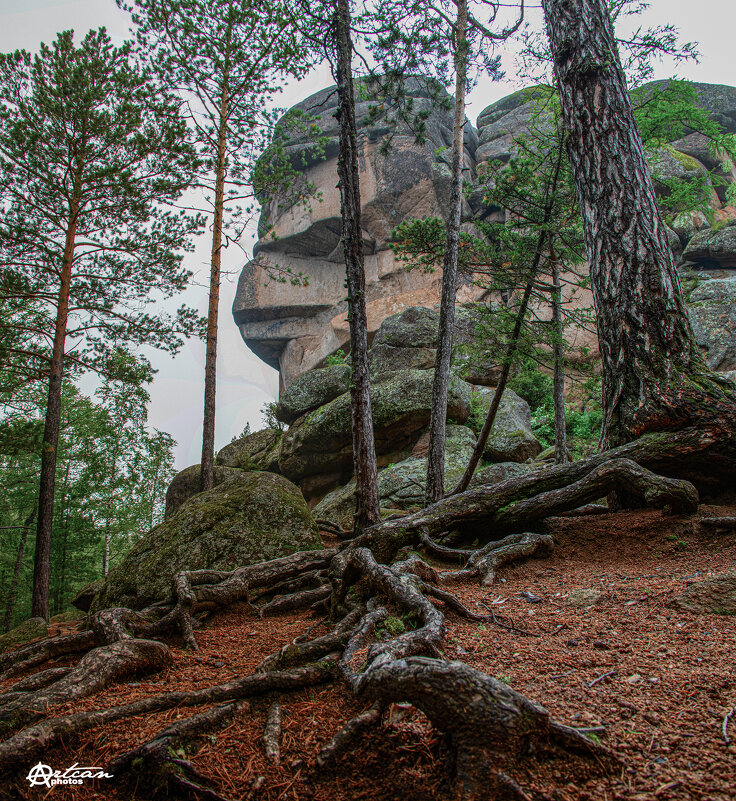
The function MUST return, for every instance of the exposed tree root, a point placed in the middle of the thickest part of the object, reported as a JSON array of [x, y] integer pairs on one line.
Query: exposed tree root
[[484, 562], [34, 740], [490, 727], [523, 501], [156, 765], [94, 671], [272, 733], [348, 734]]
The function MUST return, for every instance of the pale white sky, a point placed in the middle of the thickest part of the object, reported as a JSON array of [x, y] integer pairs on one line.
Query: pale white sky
[[244, 382]]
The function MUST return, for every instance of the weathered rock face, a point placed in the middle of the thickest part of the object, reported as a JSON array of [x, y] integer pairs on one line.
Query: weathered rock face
[[312, 390], [257, 451], [294, 328], [185, 485], [713, 318], [511, 438], [250, 517], [712, 250], [320, 443], [401, 485]]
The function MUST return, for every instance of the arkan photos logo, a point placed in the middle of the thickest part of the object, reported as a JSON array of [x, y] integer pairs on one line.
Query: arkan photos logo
[[46, 776]]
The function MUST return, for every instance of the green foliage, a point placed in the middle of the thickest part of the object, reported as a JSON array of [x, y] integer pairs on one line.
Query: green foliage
[[111, 478], [533, 385], [337, 358], [92, 150], [268, 411]]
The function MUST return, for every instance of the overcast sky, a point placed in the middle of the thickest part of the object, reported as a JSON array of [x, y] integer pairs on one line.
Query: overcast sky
[[244, 382]]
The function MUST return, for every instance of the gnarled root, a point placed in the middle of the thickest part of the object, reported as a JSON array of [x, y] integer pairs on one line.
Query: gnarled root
[[155, 765], [490, 725], [484, 562]]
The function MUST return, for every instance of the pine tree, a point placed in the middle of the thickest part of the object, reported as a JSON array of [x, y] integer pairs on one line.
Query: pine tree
[[90, 151], [654, 377], [421, 36], [225, 58]]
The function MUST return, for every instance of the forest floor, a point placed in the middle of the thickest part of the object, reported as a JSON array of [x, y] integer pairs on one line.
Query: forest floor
[[655, 682]]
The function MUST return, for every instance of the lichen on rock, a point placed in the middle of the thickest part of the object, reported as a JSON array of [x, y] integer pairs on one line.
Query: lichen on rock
[[250, 517]]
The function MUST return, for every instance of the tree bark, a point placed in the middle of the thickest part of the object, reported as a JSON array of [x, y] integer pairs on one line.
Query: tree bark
[[438, 419], [654, 378], [210, 369], [364, 450], [558, 386], [42, 559], [13, 590]]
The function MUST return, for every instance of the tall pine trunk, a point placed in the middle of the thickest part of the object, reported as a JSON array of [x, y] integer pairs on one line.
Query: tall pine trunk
[[210, 369], [42, 559], [558, 383], [364, 450], [438, 419], [654, 378]]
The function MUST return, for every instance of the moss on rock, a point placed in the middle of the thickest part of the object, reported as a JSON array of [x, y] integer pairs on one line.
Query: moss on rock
[[31, 629], [257, 451], [248, 518]]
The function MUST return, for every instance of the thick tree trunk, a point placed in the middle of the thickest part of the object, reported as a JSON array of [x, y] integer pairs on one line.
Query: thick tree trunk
[[654, 378], [13, 590], [558, 387], [42, 559], [438, 420], [364, 450], [210, 369]]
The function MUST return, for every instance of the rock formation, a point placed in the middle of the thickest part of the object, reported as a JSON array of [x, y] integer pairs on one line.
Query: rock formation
[[294, 328]]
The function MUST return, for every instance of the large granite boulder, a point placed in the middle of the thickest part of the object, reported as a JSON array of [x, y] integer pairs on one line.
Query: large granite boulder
[[32, 629], [511, 438], [496, 473], [294, 328], [250, 517], [186, 484], [668, 164], [401, 485], [312, 390], [712, 250], [320, 443], [408, 341], [712, 310], [256, 451]]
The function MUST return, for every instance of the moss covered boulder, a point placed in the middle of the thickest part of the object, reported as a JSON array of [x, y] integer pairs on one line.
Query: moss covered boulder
[[186, 484], [257, 451], [248, 518], [402, 485], [31, 629], [321, 442], [511, 438], [312, 390]]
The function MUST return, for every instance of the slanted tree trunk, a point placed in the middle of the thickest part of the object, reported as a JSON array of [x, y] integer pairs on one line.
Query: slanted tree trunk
[[513, 343], [364, 450], [558, 386], [438, 419], [654, 378], [42, 559], [210, 369], [13, 589]]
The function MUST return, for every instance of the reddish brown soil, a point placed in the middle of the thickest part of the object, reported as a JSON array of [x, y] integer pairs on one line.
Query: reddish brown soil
[[671, 682]]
